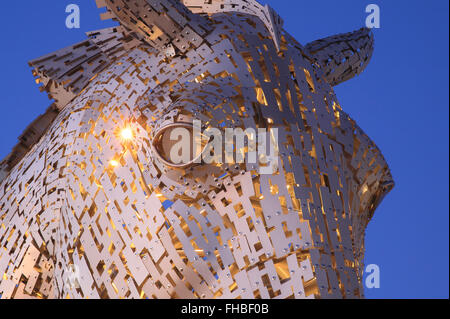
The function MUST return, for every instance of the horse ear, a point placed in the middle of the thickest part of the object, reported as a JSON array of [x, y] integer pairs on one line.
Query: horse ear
[[166, 25], [343, 56]]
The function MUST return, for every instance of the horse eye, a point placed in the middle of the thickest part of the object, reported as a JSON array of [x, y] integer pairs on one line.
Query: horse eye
[[179, 145]]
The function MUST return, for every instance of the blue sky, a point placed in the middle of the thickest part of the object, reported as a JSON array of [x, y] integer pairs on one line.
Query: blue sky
[[401, 101]]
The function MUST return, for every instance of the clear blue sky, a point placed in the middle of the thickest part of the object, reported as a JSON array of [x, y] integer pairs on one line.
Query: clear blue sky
[[401, 101]]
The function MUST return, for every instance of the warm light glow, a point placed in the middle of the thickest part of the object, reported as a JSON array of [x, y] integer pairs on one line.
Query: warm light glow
[[114, 163], [127, 134]]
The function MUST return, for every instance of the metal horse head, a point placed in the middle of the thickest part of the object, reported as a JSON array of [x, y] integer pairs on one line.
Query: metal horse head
[[91, 186]]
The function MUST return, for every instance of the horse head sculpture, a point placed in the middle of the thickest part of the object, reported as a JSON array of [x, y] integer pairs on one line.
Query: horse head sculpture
[[93, 205]]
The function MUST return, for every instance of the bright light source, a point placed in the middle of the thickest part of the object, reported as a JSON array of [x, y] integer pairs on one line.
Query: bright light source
[[114, 163], [127, 134]]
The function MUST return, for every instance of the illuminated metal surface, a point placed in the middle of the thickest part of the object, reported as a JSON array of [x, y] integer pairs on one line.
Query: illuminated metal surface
[[81, 196]]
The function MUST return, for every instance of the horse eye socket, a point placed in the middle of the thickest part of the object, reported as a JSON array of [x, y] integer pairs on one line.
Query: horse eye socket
[[178, 146]]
